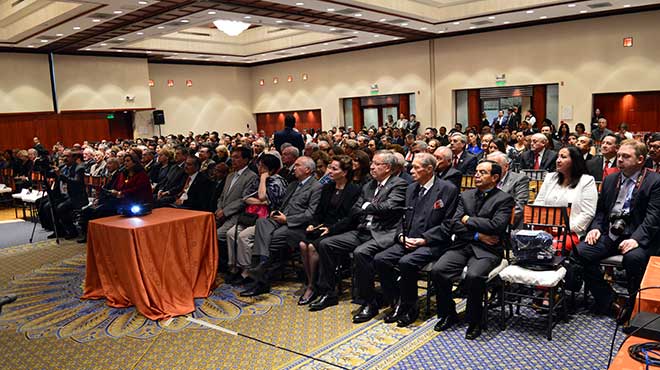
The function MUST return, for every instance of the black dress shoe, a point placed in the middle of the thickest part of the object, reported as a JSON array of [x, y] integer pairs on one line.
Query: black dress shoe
[[473, 331], [365, 313], [446, 322], [258, 289], [408, 318], [395, 314], [323, 302], [623, 315], [82, 240], [305, 301]]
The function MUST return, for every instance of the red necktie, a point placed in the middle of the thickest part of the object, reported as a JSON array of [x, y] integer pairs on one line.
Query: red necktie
[[185, 187], [455, 161], [537, 163]]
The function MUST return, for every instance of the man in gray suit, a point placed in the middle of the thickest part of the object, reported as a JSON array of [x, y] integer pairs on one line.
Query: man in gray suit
[[380, 207], [230, 203], [514, 184], [284, 227]]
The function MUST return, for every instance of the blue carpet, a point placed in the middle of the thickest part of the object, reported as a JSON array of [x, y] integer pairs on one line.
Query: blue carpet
[[17, 233]]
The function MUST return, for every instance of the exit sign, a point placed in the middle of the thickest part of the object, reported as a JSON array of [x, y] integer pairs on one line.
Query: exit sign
[[110, 116]]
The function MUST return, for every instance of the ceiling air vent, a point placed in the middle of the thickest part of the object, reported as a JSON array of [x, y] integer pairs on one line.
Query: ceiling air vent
[[341, 31], [599, 5], [48, 37], [205, 57], [276, 30], [481, 23], [101, 16], [116, 42], [287, 24]]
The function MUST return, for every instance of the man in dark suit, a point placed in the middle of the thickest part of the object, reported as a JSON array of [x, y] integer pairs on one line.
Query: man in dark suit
[[105, 204], [68, 194], [607, 159], [513, 119], [514, 184], [379, 208], [166, 191], [538, 157], [149, 165], [462, 160], [289, 156], [634, 195], [429, 201], [284, 227], [195, 192], [443, 168], [584, 144], [499, 122], [653, 161], [288, 135], [479, 223]]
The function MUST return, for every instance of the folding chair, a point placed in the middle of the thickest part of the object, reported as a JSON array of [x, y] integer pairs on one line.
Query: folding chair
[[534, 174], [467, 182]]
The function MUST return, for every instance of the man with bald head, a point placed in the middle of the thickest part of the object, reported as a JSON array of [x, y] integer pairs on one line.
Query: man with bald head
[[538, 157], [443, 168]]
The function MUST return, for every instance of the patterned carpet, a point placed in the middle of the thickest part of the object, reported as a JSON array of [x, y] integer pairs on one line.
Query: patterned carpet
[[49, 327]]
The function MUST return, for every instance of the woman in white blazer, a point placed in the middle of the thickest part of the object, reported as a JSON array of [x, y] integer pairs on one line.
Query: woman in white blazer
[[571, 184]]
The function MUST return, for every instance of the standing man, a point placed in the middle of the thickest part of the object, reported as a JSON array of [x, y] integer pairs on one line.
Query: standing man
[[289, 135], [429, 201], [479, 224], [653, 161]]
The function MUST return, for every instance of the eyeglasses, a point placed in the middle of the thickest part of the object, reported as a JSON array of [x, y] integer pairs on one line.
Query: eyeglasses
[[378, 163]]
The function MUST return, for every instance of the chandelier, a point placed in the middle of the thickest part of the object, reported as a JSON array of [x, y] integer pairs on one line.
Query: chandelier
[[231, 28]]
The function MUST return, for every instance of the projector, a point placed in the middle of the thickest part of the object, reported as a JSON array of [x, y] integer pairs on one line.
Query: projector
[[645, 325], [134, 210]]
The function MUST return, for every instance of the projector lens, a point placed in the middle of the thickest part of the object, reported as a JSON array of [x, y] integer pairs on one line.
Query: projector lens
[[135, 209]]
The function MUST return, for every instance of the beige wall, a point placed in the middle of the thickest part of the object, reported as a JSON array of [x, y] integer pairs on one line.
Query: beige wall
[[586, 55], [24, 83], [85, 83], [396, 69], [218, 100]]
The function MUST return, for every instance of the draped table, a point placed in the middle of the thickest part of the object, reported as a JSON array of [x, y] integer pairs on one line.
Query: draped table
[[159, 262]]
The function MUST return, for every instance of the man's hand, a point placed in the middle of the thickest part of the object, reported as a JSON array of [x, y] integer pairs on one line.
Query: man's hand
[[219, 214], [325, 230], [465, 219], [178, 202], [628, 245], [413, 243], [488, 239], [280, 218], [592, 236], [309, 228]]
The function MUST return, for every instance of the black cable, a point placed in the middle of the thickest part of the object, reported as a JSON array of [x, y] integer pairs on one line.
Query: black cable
[[640, 352]]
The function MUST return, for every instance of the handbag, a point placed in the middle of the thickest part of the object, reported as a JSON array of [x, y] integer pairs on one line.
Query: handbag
[[251, 213]]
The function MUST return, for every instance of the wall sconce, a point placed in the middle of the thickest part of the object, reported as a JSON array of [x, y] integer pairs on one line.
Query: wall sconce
[[262, 82], [305, 76], [152, 83], [627, 42], [289, 78], [189, 83], [170, 83], [275, 80]]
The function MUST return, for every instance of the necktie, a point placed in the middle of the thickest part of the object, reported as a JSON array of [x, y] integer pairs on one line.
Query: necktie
[[185, 187], [233, 180], [537, 162], [422, 192], [378, 189], [455, 161], [480, 201]]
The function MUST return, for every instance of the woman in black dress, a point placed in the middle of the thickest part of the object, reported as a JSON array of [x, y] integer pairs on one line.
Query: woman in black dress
[[332, 217]]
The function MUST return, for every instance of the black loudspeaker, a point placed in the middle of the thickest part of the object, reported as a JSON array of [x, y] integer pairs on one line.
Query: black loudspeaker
[[159, 117]]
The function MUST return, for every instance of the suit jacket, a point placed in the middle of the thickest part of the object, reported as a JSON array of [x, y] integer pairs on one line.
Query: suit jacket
[[452, 175], [492, 218], [516, 185], [649, 163], [548, 161], [300, 203], [288, 135], [437, 205], [512, 122], [174, 180], [467, 163], [644, 210], [198, 194], [74, 178], [287, 174], [595, 167], [231, 201], [386, 209], [338, 220]]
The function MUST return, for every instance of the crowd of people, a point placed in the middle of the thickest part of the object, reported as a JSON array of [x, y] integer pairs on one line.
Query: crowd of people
[[386, 201]]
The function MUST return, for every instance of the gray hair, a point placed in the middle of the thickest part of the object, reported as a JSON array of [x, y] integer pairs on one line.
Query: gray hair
[[421, 144], [400, 161], [308, 163], [541, 137], [114, 160], [427, 159], [462, 137], [388, 158], [445, 152], [499, 157], [293, 150], [312, 145]]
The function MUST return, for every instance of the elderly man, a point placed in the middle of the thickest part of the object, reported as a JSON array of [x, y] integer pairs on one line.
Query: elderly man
[[599, 133], [429, 201], [584, 144], [196, 188], [443, 156], [284, 227], [462, 160], [205, 155], [258, 148], [605, 163], [538, 157], [380, 207], [289, 156], [514, 184], [474, 239]]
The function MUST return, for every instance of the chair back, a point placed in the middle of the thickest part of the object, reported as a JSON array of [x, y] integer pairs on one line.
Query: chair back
[[6, 177], [534, 188], [537, 217], [535, 174], [467, 182]]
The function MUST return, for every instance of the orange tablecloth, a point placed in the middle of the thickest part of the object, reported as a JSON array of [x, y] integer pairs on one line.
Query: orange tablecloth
[[622, 360], [159, 262], [650, 298]]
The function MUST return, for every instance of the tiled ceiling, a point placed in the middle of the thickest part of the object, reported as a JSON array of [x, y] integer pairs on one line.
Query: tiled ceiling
[[182, 30]]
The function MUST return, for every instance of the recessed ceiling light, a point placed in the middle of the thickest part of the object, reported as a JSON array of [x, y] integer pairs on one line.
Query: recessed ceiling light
[[543, 17], [76, 28], [121, 39], [324, 49], [583, 11], [212, 12], [627, 6], [441, 31], [457, 23], [247, 17], [160, 27], [142, 2], [382, 20], [59, 35], [184, 21], [423, 28], [376, 35], [140, 33], [472, 27], [302, 53], [355, 32], [96, 20], [358, 14], [572, 5], [331, 9], [404, 24], [148, 52], [307, 25], [104, 44], [88, 49], [332, 29], [506, 22], [224, 56], [530, 12], [175, 53], [344, 47], [326, 44], [300, 4], [30, 46], [117, 12], [279, 21], [120, 51], [491, 17], [44, 41]]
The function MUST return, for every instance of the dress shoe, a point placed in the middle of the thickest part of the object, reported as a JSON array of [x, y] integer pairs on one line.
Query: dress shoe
[[365, 313], [305, 301], [408, 318], [473, 331], [446, 322], [395, 314], [323, 302], [258, 289], [82, 240], [51, 236], [622, 313]]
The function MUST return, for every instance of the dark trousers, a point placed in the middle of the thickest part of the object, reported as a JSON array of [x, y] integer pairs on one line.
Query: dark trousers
[[449, 268], [93, 212], [330, 250], [63, 211], [589, 257], [409, 262], [273, 240]]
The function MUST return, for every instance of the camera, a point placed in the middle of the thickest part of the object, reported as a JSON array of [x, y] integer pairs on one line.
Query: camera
[[42, 165], [619, 222]]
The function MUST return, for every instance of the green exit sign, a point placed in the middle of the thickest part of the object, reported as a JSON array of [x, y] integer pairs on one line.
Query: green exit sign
[[110, 116], [500, 83]]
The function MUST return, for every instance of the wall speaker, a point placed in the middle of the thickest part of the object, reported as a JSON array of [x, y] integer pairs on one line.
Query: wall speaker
[[159, 117]]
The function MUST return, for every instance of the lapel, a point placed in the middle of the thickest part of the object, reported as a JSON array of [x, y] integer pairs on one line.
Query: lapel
[[382, 191]]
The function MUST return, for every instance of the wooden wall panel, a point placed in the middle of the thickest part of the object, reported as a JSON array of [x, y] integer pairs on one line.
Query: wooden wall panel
[[274, 121], [474, 109], [640, 110], [357, 114], [539, 97], [404, 105]]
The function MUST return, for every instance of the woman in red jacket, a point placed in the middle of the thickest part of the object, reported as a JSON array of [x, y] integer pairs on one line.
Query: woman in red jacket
[[133, 186]]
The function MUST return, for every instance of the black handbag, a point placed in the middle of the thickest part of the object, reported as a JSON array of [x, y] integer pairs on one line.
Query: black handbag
[[247, 219]]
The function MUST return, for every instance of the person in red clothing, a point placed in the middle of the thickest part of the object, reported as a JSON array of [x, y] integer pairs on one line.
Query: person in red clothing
[[133, 186]]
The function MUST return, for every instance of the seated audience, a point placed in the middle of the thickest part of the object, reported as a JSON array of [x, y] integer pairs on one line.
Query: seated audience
[[133, 185], [444, 170], [98, 168], [196, 189], [605, 163], [104, 204], [514, 184], [538, 157], [462, 160]]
